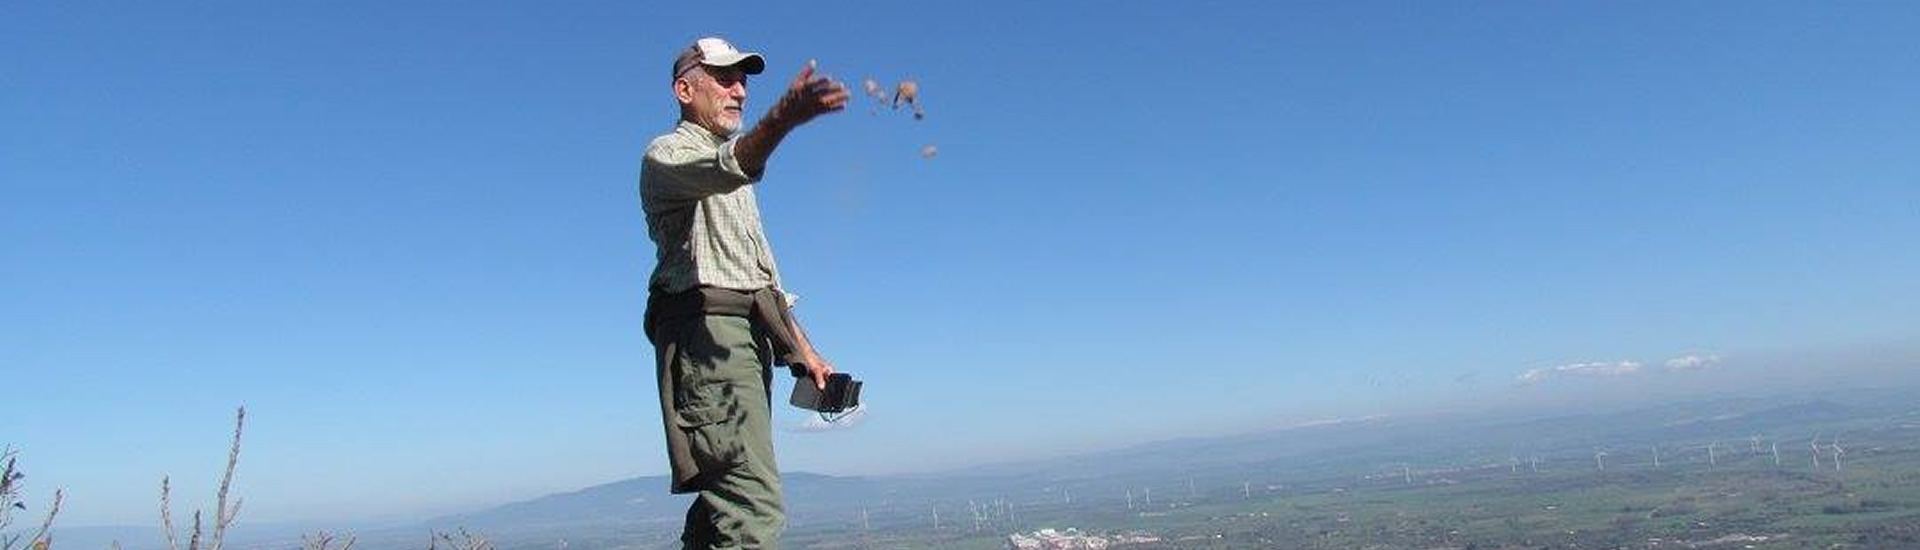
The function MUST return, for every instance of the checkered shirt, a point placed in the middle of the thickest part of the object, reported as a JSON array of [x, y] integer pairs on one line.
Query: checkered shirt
[[702, 215]]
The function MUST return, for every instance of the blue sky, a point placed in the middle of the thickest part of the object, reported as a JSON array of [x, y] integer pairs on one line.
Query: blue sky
[[406, 235]]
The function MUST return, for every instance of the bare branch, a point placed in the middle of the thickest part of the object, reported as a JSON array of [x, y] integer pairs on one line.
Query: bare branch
[[166, 517], [44, 538], [322, 540], [9, 489], [221, 516], [193, 540], [467, 541], [224, 513]]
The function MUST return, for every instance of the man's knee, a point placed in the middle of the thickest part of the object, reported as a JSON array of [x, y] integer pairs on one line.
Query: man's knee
[[740, 508]]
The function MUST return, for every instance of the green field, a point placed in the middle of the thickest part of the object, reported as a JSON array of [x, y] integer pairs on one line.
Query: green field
[[1743, 501]]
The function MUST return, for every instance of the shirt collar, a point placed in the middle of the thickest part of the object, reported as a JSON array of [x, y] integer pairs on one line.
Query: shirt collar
[[696, 130]]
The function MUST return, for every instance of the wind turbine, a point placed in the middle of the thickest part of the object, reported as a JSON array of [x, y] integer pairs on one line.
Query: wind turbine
[[1815, 444], [1755, 440], [936, 516], [1129, 499], [1246, 489], [1776, 454], [1599, 464], [1513, 464], [1406, 473], [1837, 451], [979, 518], [1656, 455], [1534, 462], [1710, 461]]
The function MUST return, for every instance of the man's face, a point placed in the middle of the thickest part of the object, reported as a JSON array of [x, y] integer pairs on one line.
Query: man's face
[[713, 97]]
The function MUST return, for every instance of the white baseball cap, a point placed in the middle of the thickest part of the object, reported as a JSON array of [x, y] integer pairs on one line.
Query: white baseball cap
[[716, 52]]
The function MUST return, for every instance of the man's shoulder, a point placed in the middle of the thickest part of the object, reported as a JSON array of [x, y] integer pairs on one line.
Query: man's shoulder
[[677, 143], [670, 140]]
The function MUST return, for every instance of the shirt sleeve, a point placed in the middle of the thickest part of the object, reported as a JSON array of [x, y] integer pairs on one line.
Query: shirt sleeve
[[679, 170]]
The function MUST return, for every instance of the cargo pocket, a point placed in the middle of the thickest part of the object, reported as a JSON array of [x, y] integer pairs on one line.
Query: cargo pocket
[[713, 436], [707, 407]]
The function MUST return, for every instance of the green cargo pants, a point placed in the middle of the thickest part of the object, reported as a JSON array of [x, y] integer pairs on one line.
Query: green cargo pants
[[720, 401]]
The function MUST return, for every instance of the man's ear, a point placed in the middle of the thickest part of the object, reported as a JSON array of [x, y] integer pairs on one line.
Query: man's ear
[[683, 90]]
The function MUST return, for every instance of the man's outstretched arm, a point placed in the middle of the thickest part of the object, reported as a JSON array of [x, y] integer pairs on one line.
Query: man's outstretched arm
[[808, 96]]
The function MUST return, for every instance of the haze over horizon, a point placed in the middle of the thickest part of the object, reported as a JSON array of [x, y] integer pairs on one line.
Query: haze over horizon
[[406, 236], [1511, 413]]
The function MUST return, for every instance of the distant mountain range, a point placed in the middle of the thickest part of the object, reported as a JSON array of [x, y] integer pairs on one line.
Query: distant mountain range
[[1297, 455], [638, 513]]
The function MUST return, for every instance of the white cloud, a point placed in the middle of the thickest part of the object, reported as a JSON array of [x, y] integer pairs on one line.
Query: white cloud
[[1693, 361], [846, 421], [1334, 421], [1597, 369]]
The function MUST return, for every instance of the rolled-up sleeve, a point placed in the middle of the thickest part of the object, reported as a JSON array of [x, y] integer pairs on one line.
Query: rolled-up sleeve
[[681, 169]]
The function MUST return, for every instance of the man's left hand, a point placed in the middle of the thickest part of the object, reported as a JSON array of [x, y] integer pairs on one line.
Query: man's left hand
[[818, 368]]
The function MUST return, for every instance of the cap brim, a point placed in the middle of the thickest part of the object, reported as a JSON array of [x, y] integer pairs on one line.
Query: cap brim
[[748, 62]]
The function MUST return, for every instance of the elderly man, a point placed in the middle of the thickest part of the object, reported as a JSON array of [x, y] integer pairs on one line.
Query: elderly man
[[716, 312]]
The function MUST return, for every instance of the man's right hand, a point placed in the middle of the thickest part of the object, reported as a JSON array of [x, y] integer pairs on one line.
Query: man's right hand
[[809, 96]]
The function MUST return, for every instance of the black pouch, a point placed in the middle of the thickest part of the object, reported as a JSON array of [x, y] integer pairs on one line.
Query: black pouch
[[842, 393]]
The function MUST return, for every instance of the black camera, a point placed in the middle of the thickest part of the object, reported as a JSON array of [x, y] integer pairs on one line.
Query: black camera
[[842, 393]]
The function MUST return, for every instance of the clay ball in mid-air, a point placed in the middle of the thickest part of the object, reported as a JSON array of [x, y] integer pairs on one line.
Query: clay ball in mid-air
[[908, 91], [874, 90]]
